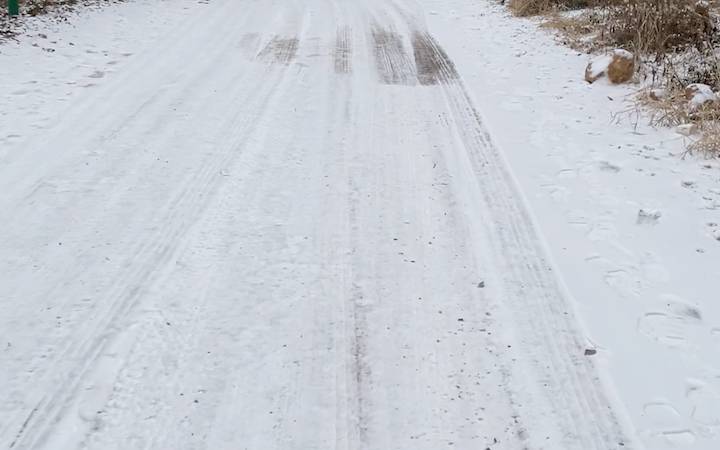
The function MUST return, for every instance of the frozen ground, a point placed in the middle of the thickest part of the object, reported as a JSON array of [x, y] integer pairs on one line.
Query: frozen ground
[[338, 224]]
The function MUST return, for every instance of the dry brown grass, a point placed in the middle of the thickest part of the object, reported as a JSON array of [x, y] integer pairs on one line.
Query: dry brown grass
[[673, 109], [658, 27], [671, 78], [645, 27], [708, 141], [525, 8], [581, 32], [675, 46]]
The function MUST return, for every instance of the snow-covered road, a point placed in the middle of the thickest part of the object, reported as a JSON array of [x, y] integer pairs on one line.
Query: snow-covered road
[[282, 225]]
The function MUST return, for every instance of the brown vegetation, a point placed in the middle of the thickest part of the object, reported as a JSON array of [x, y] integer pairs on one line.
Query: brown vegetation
[[675, 42]]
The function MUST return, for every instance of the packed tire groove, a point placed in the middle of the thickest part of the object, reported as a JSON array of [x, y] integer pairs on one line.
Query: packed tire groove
[[25, 425], [342, 53], [319, 264], [583, 408], [280, 50], [392, 62], [156, 250], [434, 66]]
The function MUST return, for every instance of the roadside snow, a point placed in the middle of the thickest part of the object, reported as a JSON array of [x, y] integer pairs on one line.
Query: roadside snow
[[631, 221], [53, 64]]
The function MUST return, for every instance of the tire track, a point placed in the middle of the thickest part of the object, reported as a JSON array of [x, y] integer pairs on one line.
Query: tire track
[[392, 62], [577, 398], [434, 66], [14, 432], [342, 53], [24, 172], [177, 218], [280, 50]]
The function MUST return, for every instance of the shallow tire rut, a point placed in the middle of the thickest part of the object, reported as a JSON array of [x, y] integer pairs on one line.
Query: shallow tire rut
[[393, 64], [434, 66], [543, 314], [280, 50], [342, 54]]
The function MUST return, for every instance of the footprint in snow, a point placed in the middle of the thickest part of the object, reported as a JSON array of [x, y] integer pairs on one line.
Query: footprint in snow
[[648, 217], [608, 167], [626, 282], [10, 138], [603, 229], [662, 414], [679, 437], [716, 334], [558, 194], [577, 218], [630, 280], [714, 230], [682, 307], [669, 327], [706, 404], [590, 169], [565, 174]]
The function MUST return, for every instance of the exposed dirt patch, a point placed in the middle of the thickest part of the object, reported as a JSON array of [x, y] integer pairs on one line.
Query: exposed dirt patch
[[434, 66]]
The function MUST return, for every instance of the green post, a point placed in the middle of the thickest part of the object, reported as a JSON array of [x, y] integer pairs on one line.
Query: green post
[[13, 7]]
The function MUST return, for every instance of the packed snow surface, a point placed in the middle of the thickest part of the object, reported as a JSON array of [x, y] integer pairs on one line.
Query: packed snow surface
[[317, 224]]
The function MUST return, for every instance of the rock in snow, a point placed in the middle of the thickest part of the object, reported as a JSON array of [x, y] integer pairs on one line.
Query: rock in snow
[[687, 129], [618, 67], [597, 68]]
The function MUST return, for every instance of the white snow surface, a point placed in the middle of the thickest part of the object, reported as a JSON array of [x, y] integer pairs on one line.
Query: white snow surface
[[622, 53], [323, 224], [600, 65]]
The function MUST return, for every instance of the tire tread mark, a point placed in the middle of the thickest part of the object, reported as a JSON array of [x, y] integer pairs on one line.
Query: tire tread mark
[[393, 64], [573, 387], [177, 220], [280, 50], [434, 66], [342, 53]]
